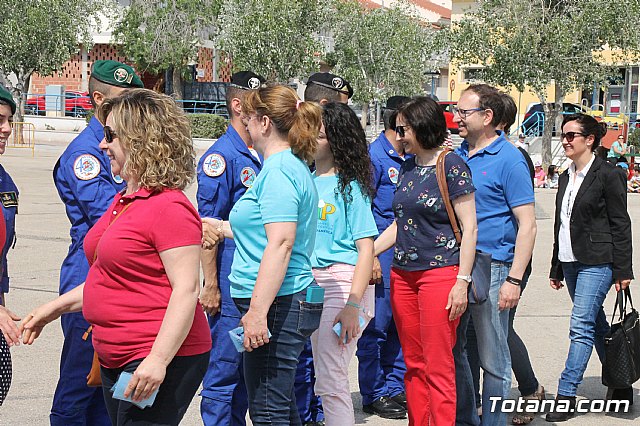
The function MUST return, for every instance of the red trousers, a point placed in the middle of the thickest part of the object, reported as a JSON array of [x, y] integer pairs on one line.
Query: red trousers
[[418, 301]]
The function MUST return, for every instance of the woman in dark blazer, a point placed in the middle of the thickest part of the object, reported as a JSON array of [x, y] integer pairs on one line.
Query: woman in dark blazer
[[592, 246]]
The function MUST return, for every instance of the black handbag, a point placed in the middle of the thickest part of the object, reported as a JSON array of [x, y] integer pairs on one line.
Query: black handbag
[[621, 366], [481, 273]]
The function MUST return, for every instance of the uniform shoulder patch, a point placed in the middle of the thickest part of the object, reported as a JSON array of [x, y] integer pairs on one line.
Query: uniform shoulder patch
[[86, 167], [393, 174], [214, 165], [247, 176]]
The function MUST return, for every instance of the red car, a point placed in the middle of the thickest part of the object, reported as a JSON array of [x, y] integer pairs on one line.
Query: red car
[[448, 115], [77, 104]]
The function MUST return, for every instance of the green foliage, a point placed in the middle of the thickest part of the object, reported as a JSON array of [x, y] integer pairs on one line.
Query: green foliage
[[207, 125], [634, 137], [274, 38], [382, 52], [40, 35], [538, 43], [160, 34]]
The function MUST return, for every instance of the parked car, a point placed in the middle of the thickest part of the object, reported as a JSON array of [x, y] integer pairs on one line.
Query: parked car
[[533, 123], [447, 106], [76, 104]]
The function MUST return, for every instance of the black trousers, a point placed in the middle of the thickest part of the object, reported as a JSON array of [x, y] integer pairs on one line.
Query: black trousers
[[184, 375]]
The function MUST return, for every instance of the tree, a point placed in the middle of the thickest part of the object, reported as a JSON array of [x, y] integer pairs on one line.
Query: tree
[[274, 38], [160, 35], [538, 43], [40, 35], [382, 52]]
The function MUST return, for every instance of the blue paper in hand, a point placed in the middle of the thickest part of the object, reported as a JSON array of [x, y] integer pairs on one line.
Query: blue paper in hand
[[338, 327], [121, 385], [237, 338]]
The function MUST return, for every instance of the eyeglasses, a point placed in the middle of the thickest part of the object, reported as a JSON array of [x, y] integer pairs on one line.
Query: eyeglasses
[[570, 136], [464, 113], [401, 130], [109, 134]]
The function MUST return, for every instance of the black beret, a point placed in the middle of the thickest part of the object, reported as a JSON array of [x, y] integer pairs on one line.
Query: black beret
[[6, 96], [395, 102], [332, 82], [115, 73], [247, 80]]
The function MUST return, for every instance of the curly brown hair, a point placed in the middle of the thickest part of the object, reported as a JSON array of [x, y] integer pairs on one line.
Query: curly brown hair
[[156, 137]]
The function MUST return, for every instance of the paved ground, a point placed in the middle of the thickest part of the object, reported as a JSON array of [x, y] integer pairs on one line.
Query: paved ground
[[42, 244]]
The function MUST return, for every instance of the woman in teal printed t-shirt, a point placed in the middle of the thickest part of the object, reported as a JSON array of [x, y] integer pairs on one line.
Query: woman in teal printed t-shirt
[[273, 225], [343, 255]]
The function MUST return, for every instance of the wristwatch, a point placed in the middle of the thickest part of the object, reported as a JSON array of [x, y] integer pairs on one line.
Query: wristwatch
[[466, 278]]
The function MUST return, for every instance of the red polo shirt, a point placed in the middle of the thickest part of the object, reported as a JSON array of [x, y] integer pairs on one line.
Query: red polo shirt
[[127, 290]]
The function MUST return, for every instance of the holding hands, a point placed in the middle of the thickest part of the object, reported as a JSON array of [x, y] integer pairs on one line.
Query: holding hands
[[212, 233], [8, 326]]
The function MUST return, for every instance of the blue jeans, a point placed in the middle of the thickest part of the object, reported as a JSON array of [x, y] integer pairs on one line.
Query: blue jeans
[[588, 286], [270, 370], [492, 328]]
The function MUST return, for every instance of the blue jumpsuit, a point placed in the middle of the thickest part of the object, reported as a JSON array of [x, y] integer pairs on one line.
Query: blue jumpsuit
[[381, 366], [86, 186], [225, 172], [9, 198]]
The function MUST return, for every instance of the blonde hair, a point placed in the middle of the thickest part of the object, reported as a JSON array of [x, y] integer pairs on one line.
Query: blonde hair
[[156, 136], [299, 121]]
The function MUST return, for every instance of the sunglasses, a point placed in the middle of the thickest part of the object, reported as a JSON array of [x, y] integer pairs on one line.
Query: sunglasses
[[570, 136], [109, 134], [401, 130]]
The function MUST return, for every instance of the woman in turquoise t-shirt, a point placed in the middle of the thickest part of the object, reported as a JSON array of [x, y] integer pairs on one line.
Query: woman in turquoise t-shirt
[[343, 255], [273, 225]]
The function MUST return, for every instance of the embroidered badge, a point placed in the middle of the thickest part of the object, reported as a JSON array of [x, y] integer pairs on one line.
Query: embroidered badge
[[337, 83], [214, 165], [86, 167], [9, 199], [393, 174], [253, 83], [247, 176], [121, 75]]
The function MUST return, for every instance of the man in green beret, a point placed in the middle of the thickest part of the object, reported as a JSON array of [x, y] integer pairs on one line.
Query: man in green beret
[[86, 186]]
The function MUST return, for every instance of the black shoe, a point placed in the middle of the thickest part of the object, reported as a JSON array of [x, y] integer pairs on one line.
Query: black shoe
[[386, 408], [625, 394], [562, 416], [400, 399]]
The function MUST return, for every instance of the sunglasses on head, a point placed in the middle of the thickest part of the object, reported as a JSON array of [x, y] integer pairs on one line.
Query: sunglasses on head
[[400, 130], [570, 136], [109, 134]]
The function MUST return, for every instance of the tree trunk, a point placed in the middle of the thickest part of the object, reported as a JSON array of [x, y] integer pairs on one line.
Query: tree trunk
[[365, 114], [178, 93]]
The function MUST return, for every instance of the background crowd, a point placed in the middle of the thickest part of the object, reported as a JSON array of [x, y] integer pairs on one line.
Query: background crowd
[[315, 246]]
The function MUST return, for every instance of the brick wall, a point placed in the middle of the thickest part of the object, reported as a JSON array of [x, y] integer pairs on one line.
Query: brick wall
[[70, 75]]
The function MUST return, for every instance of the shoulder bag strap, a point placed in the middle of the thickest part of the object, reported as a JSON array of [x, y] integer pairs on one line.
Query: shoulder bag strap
[[441, 176]]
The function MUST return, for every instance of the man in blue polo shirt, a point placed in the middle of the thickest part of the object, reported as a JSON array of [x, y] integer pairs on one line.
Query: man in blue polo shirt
[[381, 366], [507, 230]]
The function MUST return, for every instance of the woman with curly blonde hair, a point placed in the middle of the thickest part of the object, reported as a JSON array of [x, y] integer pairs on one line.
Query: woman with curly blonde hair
[[141, 293]]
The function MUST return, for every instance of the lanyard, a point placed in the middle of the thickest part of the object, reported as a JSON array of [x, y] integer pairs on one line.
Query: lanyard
[[95, 253]]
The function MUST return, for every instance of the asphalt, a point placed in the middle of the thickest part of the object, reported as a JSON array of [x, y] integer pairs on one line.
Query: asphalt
[[42, 229]]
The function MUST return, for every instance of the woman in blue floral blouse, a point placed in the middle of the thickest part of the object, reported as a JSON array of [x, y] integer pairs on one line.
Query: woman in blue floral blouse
[[430, 273]]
